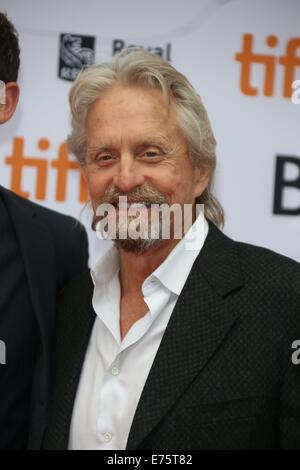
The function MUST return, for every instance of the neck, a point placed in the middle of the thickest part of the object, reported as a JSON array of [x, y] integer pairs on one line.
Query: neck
[[134, 269]]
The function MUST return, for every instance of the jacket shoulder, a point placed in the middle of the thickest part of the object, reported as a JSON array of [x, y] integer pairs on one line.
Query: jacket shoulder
[[49, 216], [67, 235], [268, 268], [264, 256]]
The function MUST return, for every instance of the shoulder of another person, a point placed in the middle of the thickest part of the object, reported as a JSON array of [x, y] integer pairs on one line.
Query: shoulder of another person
[[48, 217]]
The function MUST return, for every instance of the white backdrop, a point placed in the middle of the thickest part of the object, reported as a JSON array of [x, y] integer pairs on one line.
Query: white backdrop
[[201, 39]]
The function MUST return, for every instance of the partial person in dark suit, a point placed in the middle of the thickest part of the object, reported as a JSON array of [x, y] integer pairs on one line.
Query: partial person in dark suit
[[169, 342], [40, 252]]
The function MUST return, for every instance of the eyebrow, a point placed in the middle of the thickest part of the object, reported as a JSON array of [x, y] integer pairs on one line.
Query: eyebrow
[[161, 141], [99, 148]]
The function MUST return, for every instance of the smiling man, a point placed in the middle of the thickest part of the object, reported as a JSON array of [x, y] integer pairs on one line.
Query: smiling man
[[167, 345]]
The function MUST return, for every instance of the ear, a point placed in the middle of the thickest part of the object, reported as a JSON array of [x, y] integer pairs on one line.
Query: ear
[[12, 92], [201, 179]]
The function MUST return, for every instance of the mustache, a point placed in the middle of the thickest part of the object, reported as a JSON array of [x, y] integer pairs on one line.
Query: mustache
[[145, 193]]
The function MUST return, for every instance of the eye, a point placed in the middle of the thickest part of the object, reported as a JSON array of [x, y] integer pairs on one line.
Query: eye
[[151, 153], [104, 158]]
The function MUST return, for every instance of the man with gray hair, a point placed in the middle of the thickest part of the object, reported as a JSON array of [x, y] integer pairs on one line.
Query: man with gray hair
[[170, 342]]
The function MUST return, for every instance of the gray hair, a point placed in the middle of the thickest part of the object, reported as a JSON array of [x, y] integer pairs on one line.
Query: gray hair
[[135, 66]]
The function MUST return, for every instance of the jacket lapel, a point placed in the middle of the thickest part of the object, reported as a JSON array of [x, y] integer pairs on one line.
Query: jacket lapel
[[198, 326], [75, 321]]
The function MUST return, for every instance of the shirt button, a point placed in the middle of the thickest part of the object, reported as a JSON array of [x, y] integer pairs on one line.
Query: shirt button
[[107, 436], [115, 371]]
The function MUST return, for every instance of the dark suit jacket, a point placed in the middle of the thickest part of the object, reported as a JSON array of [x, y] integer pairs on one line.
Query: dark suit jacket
[[222, 377], [54, 250]]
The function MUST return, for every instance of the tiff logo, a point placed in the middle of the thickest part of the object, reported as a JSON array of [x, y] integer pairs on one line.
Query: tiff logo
[[61, 164], [2, 353], [247, 58]]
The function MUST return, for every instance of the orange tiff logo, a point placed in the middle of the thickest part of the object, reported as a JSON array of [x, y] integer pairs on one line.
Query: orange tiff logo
[[289, 61], [62, 165]]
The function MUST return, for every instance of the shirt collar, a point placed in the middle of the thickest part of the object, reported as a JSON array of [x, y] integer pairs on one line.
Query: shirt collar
[[174, 270], [106, 267]]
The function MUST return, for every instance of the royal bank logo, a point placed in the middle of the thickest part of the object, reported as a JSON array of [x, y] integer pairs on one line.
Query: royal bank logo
[[75, 53], [163, 50]]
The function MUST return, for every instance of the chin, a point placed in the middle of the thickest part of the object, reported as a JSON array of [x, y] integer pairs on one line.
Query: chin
[[138, 246]]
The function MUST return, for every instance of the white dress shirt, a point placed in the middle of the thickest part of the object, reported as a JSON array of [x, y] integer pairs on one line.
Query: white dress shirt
[[114, 371]]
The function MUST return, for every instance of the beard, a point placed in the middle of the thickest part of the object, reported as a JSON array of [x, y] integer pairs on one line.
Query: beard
[[134, 226]]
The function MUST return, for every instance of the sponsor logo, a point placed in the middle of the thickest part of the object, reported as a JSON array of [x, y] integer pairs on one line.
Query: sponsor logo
[[42, 165], [248, 58], [163, 51], [76, 53], [283, 184]]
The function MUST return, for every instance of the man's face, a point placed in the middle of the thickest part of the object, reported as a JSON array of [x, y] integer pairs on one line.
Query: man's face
[[135, 148]]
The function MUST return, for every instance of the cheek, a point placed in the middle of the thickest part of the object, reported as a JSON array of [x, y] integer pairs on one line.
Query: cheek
[[97, 185], [166, 178], [164, 184], [177, 183]]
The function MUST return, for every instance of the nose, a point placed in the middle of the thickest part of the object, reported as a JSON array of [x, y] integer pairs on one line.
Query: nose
[[128, 176]]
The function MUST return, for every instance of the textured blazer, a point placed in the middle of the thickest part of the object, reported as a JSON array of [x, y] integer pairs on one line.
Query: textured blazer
[[223, 376], [54, 249]]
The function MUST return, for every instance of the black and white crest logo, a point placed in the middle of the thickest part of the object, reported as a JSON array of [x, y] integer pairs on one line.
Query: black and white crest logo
[[76, 53]]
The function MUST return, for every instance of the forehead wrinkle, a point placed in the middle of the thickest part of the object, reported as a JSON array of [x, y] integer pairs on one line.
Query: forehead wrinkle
[[150, 130], [133, 141]]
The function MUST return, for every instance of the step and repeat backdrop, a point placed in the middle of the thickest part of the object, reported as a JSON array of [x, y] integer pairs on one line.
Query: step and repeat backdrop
[[242, 56]]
